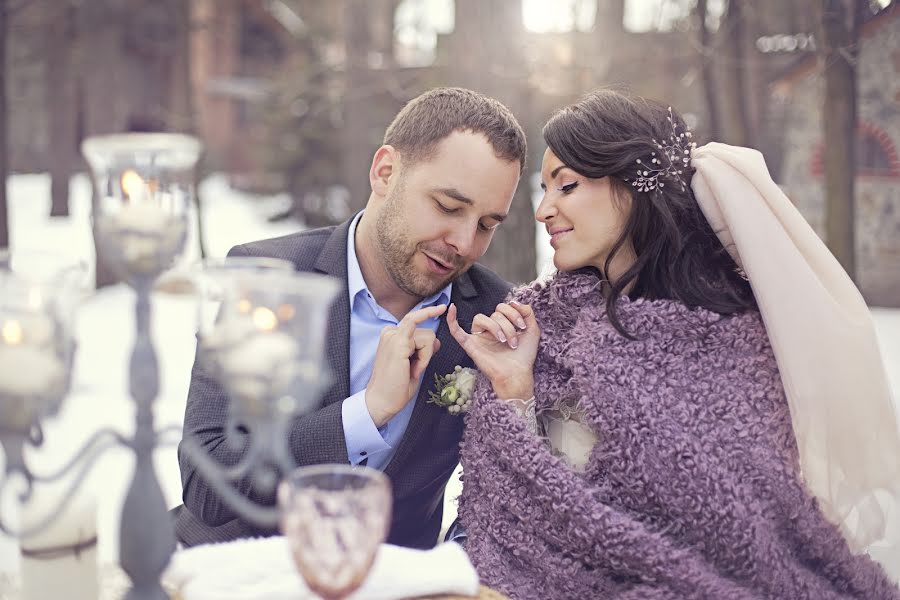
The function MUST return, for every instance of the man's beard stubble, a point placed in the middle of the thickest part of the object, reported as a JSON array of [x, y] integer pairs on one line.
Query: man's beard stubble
[[398, 251]]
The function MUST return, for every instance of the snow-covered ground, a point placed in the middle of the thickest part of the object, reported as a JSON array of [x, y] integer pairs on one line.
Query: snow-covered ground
[[105, 330]]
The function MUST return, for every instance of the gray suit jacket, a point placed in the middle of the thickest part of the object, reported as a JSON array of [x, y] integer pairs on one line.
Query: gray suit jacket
[[425, 457]]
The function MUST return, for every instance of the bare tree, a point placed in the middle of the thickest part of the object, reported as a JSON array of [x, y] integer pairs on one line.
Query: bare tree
[[840, 21], [183, 114], [737, 124], [357, 101], [493, 65], [4, 156], [707, 71], [62, 105]]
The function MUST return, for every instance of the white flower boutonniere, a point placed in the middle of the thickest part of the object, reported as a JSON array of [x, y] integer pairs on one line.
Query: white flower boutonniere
[[454, 390]]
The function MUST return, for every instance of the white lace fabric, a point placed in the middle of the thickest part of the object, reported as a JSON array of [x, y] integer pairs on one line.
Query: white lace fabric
[[563, 427]]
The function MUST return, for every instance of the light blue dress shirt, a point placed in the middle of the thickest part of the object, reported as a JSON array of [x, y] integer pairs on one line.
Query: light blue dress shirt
[[364, 440]]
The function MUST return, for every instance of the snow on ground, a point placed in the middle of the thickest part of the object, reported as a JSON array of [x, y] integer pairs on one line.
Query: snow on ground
[[105, 331]]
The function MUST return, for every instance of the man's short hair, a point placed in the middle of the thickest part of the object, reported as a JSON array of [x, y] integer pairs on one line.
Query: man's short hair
[[434, 115]]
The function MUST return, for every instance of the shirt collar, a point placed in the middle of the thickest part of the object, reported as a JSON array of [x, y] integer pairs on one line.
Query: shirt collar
[[356, 283]]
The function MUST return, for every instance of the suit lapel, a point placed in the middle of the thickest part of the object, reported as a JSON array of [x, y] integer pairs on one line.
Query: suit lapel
[[332, 261], [450, 355]]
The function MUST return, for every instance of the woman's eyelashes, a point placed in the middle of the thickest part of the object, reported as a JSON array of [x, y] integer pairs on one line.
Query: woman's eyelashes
[[568, 187]]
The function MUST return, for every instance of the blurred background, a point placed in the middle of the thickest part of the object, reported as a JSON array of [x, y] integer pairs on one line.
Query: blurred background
[[291, 97]]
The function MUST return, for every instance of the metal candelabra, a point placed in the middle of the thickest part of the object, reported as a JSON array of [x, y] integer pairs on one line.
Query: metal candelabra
[[261, 334]]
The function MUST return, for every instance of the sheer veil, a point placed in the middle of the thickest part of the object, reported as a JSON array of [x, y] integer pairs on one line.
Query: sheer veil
[[824, 341]]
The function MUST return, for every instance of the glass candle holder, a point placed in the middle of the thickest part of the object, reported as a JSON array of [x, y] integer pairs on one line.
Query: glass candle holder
[[144, 184]]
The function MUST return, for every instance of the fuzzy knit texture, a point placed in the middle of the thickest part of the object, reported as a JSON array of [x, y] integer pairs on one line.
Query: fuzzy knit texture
[[693, 488]]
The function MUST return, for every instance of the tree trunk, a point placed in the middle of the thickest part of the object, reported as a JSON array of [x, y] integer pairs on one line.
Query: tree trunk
[[4, 160], [183, 115], [358, 149], [714, 130], [738, 130], [61, 106], [839, 34], [492, 64], [101, 76]]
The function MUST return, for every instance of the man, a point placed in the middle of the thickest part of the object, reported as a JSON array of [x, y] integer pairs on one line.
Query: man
[[441, 183]]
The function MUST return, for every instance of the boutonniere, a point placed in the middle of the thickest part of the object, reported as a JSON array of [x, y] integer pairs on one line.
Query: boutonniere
[[454, 390]]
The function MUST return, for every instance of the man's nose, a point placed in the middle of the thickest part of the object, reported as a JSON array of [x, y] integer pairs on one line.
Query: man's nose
[[462, 239]]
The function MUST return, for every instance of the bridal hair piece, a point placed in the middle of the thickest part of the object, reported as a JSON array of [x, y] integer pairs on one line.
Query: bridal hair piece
[[673, 159], [824, 342]]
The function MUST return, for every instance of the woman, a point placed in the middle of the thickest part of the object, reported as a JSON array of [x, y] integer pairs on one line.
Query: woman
[[694, 405]]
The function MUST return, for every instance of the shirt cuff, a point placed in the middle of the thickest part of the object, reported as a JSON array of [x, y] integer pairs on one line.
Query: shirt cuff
[[360, 434]]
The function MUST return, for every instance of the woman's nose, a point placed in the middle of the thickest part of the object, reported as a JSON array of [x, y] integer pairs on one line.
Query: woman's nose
[[546, 210]]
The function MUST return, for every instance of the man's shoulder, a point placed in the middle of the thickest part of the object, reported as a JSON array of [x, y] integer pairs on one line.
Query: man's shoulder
[[301, 248], [281, 244]]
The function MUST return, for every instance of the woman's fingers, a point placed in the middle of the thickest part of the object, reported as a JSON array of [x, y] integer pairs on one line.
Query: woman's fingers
[[512, 314], [488, 328], [525, 311], [510, 332], [502, 326]]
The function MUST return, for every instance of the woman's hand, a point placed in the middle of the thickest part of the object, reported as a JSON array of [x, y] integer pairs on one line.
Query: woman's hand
[[502, 346]]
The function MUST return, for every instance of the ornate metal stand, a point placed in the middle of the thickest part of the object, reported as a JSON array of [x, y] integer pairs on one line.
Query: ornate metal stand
[[139, 254]]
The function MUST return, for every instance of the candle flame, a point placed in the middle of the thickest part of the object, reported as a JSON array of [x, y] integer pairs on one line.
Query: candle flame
[[285, 312], [12, 333], [132, 184], [264, 318]]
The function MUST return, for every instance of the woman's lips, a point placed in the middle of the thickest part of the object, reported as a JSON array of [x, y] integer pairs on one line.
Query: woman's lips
[[558, 235]]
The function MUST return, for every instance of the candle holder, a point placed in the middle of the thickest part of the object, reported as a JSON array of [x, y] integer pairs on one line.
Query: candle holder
[[36, 355], [262, 334], [143, 187]]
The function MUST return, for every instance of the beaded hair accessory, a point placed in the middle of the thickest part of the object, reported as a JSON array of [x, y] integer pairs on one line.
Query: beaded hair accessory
[[677, 152]]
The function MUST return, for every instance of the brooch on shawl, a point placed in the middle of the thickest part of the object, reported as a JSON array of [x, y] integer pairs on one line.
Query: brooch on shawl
[[454, 390]]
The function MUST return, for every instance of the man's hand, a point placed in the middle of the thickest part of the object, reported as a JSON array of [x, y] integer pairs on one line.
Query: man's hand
[[403, 353]]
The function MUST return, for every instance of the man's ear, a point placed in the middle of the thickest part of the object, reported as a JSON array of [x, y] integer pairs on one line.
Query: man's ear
[[385, 163]]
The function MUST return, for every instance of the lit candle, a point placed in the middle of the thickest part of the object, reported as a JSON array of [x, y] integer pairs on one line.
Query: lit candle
[[148, 235], [29, 365], [253, 355], [34, 329], [61, 560]]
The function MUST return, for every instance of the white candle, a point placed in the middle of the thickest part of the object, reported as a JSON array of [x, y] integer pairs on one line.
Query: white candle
[[145, 217], [253, 358], [35, 329], [49, 569], [26, 370], [150, 236]]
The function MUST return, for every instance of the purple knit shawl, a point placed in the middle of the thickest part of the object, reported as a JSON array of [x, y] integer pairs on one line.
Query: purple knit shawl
[[692, 490]]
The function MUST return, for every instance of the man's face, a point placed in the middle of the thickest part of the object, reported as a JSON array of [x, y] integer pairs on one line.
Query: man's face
[[439, 214]]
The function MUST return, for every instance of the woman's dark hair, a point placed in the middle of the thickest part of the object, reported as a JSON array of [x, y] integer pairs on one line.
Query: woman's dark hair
[[678, 256]]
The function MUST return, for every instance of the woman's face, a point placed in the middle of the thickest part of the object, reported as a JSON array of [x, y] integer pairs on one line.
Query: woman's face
[[584, 218]]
